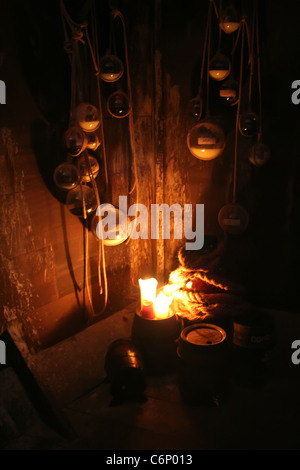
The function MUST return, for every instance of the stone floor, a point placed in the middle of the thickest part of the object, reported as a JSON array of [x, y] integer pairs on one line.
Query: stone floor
[[72, 375]]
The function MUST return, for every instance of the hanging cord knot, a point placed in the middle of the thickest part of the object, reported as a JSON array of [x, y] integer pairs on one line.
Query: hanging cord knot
[[115, 12], [78, 34]]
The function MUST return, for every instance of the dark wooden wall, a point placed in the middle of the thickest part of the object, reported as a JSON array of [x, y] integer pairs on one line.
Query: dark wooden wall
[[41, 253]]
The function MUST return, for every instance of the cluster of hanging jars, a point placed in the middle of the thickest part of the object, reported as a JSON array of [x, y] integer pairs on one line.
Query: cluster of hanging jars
[[111, 70], [206, 140], [81, 141]]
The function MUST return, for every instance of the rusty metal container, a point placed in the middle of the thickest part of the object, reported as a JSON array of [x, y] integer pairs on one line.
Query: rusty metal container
[[203, 364]]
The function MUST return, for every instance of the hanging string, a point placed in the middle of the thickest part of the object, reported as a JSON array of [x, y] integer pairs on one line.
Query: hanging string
[[112, 41], [215, 9], [200, 90], [101, 253], [84, 245], [258, 71], [78, 32], [209, 20], [95, 58], [251, 58], [220, 29], [243, 23], [118, 14]]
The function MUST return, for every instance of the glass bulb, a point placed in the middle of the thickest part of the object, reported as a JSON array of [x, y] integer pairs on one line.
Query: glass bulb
[[88, 169], [229, 20], [93, 141], [118, 104], [87, 117], [80, 196], [115, 225], [206, 141], [248, 124], [229, 92], [66, 176], [75, 140], [233, 218], [195, 108], [219, 67], [259, 154], [111, 68]]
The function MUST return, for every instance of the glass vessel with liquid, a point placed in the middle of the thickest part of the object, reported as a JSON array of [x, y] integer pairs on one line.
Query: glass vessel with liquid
[[87, 117], [219, 67], [111, 68], [229, 20], [206, 140]]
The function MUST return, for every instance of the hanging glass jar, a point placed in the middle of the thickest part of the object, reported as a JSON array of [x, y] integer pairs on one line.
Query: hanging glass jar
[[259, 154], [88, 167], [75, 140], [206, 140], [111, 68], [118, 104], [219, 67], [229, 20], [249, 124], [195, 108], [229, 92], [87, 117], [81, 200], [93, 141], [114, 232], [233, 218], [66, 176]]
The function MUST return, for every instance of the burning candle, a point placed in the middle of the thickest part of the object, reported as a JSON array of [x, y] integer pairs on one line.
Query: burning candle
[[148, 295], [161, 306]]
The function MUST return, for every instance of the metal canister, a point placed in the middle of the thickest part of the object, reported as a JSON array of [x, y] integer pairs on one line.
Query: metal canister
[[124, 367], [203, 360], [253, 345]]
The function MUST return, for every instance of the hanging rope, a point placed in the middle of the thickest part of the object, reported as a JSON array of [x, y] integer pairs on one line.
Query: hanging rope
[[209, 21], [78, 33], [251, 58], [238, 112], [258, 70], [118, 14], [200, 89]]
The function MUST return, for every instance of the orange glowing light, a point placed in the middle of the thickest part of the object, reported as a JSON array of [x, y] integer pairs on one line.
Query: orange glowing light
[[148, 295], [161, 306]]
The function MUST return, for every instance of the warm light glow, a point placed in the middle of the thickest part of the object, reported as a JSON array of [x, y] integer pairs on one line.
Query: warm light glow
[[161, 306], [219, 74], [148, 289], [206, 154], [148, 295]]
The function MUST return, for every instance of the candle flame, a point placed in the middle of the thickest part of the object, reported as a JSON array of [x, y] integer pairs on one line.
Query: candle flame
[[161, 305], [148, 289]]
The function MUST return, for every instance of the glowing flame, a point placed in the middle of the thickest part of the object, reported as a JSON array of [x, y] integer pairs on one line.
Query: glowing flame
[[148, 290], [161, 306]]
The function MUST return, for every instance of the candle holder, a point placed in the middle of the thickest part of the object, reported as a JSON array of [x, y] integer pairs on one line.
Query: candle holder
[[156, 339]]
